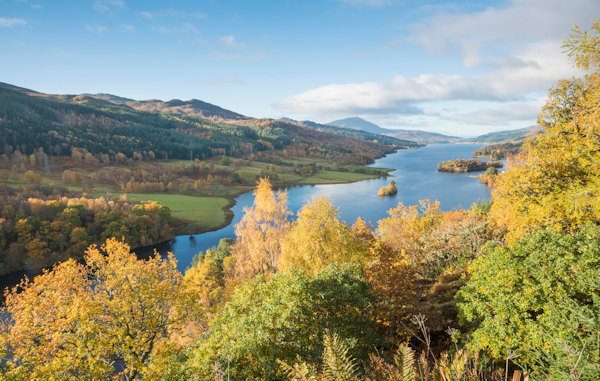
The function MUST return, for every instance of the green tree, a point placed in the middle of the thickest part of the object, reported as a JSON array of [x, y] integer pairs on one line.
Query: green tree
[[284, 317], [519, 298]]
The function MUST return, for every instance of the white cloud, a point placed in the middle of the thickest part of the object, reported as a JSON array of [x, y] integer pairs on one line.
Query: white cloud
[[189, 28], [97, 29], [230, 42], [128, 28], [104, 6], [502, 29], [147, 15], [497, 116], [511, 55], [11, 23]]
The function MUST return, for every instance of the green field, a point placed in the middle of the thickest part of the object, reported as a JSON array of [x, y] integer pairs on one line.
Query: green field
[[208, 213]]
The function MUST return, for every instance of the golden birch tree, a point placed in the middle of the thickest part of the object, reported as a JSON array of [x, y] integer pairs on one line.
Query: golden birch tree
[[260, 232]]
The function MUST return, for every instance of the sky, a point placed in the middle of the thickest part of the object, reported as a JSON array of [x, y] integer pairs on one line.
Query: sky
[[462, 68]]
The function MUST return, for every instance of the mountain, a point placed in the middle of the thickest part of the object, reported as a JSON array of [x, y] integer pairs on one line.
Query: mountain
[[359, 124], [352, 133], [420, 136], [411, 135], [507, 136]]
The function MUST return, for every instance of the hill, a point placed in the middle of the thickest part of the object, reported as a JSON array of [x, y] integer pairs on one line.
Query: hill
[[108, 125], [358, 134], [505, 136], [418, 136], [359, 124]]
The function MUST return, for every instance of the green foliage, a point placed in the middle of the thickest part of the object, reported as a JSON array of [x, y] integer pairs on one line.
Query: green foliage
[[520, 298], [499, 151], [470, 165], [284, 317]]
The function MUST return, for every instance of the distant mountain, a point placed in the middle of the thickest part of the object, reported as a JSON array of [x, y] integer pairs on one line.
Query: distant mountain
[[507, 136], [354, 133], [359, 124], [420, 136], [411, 135]]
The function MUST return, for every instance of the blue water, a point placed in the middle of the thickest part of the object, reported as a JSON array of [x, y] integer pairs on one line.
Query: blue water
[[416, 177]]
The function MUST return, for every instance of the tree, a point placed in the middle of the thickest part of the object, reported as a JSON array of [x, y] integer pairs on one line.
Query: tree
[[286, 316], [318, 238], [557, 184], [260, 232], [32, 178], [540, 295], [109, 316], [405, 230]]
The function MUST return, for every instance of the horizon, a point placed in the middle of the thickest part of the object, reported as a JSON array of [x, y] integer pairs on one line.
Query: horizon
[[474, 67]]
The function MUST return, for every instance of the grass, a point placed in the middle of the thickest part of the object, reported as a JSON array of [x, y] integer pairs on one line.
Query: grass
[[208, 213], [333, 177]]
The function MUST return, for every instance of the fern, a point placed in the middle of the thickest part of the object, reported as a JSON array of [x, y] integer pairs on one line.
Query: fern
[[338, 365], [405, 361], [300, 371]]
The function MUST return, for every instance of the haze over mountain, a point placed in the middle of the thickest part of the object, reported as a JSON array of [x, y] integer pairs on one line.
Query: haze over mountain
[[508, 135], [412, 135]]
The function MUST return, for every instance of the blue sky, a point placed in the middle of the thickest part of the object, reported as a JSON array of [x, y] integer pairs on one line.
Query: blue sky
[[457, 67]]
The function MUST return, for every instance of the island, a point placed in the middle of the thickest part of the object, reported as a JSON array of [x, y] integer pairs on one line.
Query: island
[[388, 190], [469, 165]]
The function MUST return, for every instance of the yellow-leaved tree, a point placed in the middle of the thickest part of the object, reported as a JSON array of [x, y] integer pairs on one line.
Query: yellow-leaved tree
[[557, 184], [260, 232], [318, 238], [108, 317]]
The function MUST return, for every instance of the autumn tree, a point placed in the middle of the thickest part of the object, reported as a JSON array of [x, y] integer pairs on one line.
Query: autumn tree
[[318, 238], [260, 232], [557, 184], [110, 316], [405, 230]]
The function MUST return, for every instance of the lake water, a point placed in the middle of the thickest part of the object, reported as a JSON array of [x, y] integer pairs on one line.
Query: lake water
[[416, 177]]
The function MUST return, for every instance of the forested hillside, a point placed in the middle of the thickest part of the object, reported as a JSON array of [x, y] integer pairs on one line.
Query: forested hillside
[[505, 288], [57, 124]]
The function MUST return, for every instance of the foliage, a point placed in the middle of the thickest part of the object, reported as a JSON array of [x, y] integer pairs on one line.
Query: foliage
[[470, 165], [388, 190], [405, 229], [260, 233], [39, 228], [337, 364], [318, 238], [108, 316], [285, 317], [520, 297], [557, 185], [206, 274], [499, 151]]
